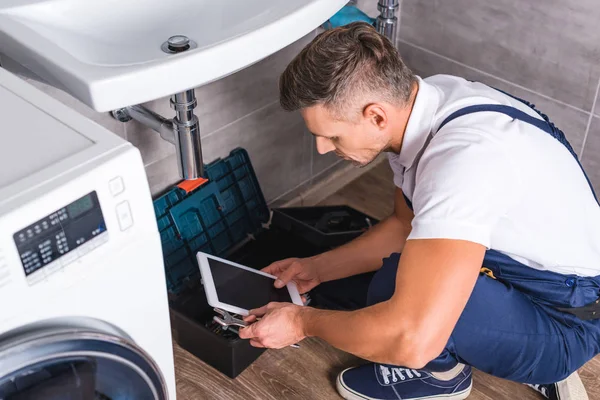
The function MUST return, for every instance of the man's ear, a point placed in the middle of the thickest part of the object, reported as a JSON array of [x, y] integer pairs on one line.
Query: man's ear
[[376, 114]]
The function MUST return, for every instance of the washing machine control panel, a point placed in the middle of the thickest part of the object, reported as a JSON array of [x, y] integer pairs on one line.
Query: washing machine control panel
[[61, 237]]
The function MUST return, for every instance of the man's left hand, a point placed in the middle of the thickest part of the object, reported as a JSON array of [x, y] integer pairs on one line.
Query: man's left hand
[[280, 325]]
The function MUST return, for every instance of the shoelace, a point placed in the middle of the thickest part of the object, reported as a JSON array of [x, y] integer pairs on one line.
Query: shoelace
[[397, 374], [408, 372]]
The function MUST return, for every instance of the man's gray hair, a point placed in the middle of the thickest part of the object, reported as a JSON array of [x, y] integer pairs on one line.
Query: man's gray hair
[[345, 69]]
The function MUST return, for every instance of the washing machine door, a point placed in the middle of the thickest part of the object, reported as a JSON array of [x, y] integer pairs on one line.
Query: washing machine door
[[76, 364]]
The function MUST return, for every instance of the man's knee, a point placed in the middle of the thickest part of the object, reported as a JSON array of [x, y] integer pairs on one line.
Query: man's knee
[[384, 281]]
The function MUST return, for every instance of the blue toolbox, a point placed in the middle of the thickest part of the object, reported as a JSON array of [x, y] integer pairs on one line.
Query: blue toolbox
[[227, 216]]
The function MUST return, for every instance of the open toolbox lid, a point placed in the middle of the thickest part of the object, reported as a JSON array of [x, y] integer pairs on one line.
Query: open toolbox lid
[[214, 218]]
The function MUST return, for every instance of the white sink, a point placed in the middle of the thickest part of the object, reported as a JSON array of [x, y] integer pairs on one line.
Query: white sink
[[107, 53]]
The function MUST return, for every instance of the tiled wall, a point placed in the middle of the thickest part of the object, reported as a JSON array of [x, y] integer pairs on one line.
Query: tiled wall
[[240, 110], [546, 51]]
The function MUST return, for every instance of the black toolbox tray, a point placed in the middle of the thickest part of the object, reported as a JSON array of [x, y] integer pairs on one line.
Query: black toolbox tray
[[228, 217], [326, 227]]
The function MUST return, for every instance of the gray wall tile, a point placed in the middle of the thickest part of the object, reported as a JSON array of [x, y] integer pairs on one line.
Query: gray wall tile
[[290, 196], [237, 95], [336, 165], [368, 6], [597, 110], [162, 175], [550, 46], [590, 159], [572, 121], [277, 142]]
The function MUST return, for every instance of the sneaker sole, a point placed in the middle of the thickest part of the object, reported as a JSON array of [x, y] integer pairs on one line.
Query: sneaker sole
[[349, 394], [571, 388]]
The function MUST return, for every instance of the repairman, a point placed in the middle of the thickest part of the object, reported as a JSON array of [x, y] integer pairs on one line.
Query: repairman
[[491, 259]]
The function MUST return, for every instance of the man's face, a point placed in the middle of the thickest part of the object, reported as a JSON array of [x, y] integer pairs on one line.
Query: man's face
[[359, 141]]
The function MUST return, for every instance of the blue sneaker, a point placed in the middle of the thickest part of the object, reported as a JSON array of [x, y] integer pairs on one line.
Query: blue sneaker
[[386, 382]]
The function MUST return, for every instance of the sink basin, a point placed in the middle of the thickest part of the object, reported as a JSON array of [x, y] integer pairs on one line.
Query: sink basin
[[108, 54]]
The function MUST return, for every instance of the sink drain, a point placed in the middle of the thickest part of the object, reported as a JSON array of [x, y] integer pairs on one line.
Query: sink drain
[[178, 44]]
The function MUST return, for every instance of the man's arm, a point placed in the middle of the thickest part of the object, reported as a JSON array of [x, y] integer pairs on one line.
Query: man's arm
[[365, 253], [434, 281]]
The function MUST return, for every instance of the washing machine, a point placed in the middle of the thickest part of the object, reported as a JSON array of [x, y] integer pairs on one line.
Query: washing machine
[[83, 300]]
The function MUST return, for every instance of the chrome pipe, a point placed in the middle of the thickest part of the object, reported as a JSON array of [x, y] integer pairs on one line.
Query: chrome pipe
[[187, 135], [189, 149], [154, 121], [387, 22], [183, 131], [184, 103]]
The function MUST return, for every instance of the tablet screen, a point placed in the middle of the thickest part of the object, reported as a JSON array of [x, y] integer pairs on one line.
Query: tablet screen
[[244, 289]]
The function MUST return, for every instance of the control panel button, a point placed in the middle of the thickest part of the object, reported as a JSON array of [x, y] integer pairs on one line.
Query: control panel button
[[124, 215], [116, 186]]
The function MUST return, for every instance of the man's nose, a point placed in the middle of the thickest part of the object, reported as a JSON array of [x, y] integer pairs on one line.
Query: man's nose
[[324, 145]]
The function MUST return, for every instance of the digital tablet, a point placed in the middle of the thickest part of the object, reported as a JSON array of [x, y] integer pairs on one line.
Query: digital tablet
[[235, 288]]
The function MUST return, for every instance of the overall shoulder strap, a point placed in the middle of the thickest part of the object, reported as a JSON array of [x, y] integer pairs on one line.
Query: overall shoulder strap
[[512, 112]]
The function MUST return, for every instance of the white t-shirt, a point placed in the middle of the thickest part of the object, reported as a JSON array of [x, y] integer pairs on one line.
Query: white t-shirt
[[489, 179]]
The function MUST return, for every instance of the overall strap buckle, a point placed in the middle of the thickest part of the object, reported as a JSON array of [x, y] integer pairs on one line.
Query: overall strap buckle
[[488, 272]]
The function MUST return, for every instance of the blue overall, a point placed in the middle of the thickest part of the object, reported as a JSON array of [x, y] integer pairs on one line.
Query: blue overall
[[510, 327]]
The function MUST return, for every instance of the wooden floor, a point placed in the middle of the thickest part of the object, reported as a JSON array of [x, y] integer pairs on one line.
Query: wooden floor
[[309, 372]]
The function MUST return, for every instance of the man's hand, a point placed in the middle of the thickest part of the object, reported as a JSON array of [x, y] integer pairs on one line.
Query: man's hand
[[280, 326], [303, 271]]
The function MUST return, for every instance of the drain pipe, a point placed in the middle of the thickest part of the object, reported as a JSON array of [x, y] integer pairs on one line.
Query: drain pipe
[[187, 135], [183, 131], [387, 22], [147, 118]]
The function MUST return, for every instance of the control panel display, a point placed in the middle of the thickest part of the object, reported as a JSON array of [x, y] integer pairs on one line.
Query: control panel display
[[60, 233], [80, 206]]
